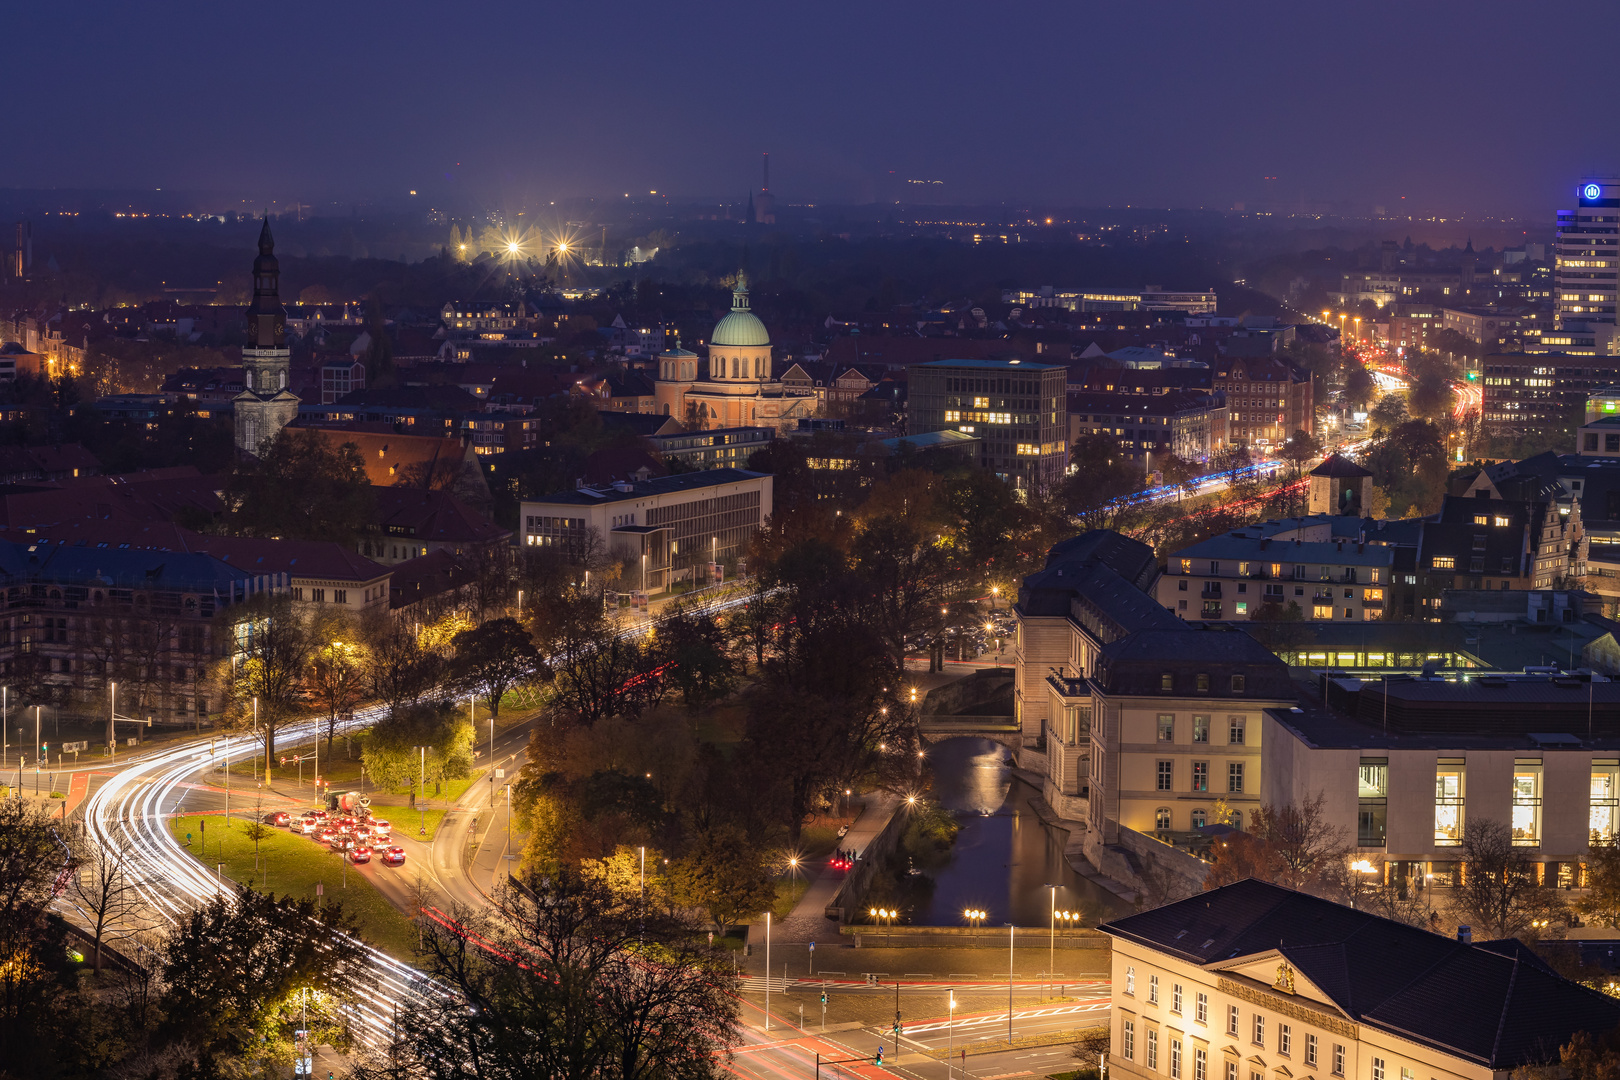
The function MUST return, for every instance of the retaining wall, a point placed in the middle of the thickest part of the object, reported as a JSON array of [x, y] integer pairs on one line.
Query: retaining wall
[[987, 937], [847, 900]]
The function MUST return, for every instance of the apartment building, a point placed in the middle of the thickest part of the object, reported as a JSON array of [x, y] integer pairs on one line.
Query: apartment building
[[1232, 575]]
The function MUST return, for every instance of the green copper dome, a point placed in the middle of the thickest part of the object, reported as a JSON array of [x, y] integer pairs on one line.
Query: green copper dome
[[740, 327]]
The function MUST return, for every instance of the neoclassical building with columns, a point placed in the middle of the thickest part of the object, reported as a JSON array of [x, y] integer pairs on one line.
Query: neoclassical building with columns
[[737, 386]]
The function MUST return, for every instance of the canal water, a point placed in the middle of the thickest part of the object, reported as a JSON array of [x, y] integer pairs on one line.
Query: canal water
[[1003, 858]]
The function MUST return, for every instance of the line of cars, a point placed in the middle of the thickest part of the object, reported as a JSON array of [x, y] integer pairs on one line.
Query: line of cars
[[358, 839]]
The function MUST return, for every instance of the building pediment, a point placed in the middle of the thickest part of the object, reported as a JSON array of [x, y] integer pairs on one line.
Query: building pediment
[[1272, 969]]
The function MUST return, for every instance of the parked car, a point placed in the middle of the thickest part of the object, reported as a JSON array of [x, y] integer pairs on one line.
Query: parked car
[[394, 856], [359, 854], [279, 817]]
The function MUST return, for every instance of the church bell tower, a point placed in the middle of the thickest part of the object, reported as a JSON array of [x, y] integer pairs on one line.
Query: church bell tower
[[266, 405]]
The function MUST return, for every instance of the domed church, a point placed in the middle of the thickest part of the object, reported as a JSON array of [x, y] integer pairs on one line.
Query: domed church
[[739, 387]]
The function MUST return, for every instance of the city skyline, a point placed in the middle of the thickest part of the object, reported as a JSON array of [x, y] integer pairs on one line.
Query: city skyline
[[1271, 106]]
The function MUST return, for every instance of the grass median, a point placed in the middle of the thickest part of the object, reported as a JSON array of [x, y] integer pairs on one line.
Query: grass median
[[292, 865]]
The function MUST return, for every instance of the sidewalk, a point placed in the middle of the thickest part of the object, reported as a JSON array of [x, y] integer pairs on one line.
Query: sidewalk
[[808, 919]]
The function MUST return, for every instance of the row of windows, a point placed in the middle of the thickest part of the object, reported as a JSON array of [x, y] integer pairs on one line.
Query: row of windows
[[1236, 726], [1164, 819], [1296, 571], [1309, 1050], [1167, 682], [318, 596], [1165, 775]]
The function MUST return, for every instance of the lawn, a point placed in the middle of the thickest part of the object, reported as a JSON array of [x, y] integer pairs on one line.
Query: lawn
[[788, 893], [291, 865]]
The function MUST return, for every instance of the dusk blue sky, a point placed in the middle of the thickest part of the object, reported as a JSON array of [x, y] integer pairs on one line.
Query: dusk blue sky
[[1481, 106]]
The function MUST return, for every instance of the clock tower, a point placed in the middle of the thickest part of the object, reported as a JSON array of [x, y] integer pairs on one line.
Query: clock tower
[[266, 405]]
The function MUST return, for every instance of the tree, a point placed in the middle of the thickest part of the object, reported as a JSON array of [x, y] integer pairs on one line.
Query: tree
[[906, 575], [31, 857], [337, 672], [302, 489], [1091, 1048], [1301, 449], [591, 664], [275, 645], [1431, 397], [1103, 475], [1499, 896], [1294, 845], [1359, 387], [725, 875], [107, 884], [1601, 904], [494, 657], [1309, 849], [696, 651], [236, 966], [1390, 411], [571, 979], [1234, 464], [398, 669]]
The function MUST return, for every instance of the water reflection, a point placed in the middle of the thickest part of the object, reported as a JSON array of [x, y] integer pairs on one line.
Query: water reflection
[[1004, 858]]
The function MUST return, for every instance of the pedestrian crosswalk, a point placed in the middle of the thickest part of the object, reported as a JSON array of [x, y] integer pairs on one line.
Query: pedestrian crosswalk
[[755, 984]]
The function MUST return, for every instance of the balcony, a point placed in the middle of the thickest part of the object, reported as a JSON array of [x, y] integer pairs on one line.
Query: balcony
[[1212, 590]]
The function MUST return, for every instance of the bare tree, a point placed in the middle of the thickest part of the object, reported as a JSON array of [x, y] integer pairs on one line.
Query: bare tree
[[1309, 849], [1499, 895], [1091, 1048], [106, 882], [399, 670], [275, 648], [337, 671]]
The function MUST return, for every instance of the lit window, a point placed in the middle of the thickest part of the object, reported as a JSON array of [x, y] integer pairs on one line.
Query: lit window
[[1444, 562]]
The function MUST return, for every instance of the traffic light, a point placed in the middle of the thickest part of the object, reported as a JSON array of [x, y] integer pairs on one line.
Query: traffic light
[[824, 997], [879, 1059]]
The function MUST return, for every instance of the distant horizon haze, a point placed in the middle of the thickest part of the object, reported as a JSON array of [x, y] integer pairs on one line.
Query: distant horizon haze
[[1438, 108]]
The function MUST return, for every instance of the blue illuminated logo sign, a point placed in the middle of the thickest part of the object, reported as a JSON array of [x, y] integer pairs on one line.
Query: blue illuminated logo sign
[[1591, 191]]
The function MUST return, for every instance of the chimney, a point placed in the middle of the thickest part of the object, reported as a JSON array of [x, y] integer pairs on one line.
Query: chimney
[[1465, 934]]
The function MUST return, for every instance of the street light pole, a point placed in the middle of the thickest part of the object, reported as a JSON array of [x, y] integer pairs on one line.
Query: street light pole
[[1011, 930], [767, 968], [1051, 940]]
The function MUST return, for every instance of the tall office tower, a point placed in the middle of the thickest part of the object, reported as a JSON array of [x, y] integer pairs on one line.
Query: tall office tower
[[1588, 255]]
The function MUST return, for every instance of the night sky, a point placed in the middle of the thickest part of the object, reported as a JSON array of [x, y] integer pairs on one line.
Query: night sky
[[1481, 106]]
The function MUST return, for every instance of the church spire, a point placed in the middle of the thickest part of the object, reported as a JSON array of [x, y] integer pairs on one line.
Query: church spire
[[266, 318]]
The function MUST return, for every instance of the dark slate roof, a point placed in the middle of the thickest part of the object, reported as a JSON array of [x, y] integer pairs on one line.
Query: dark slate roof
[[1338, 465], [1135, 664], [1492, 1002], [658, 485], [1130, 559]]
